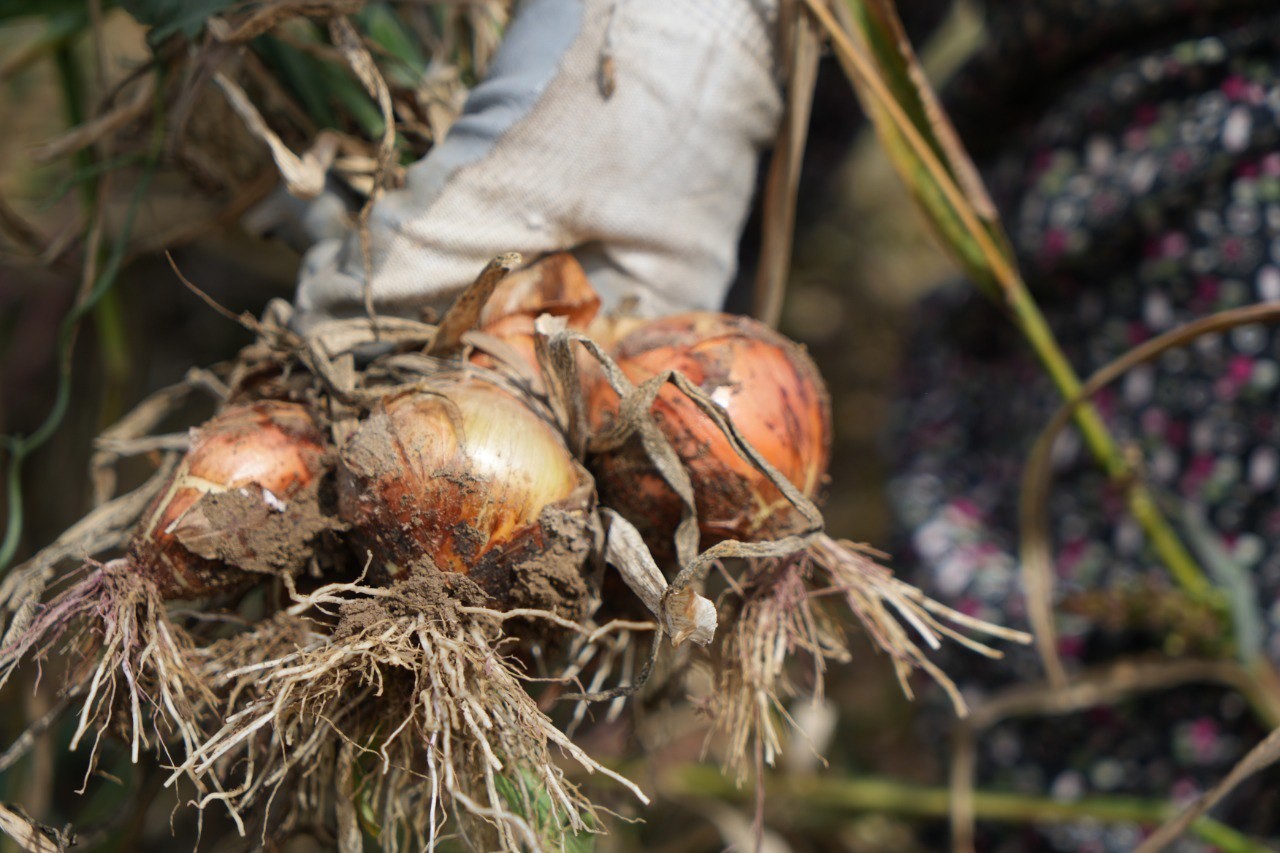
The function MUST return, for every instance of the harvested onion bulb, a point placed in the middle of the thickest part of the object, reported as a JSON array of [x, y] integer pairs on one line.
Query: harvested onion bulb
[[555, 285], [244, 499], [767, 386], [466, 478], [243, 502]]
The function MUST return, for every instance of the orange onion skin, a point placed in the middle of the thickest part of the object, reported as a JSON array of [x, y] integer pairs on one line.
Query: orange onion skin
[[457, 478], [269, 446], [555, 285], [767, 385]]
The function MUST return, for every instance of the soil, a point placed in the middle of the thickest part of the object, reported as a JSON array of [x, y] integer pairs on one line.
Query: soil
[[245, 529], [424, 590], [553, 577]]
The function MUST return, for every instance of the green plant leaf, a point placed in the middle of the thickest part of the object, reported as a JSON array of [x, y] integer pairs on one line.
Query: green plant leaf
[[44, 8], [170, 17], [301, 74], [385, 29]]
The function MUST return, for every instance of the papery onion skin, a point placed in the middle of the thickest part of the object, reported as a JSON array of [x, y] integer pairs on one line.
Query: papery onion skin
[[271, 454], [460, 478], [555, 285], [769, 388]]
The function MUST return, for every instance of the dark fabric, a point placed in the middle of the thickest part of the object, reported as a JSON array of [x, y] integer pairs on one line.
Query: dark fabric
[[1134, 151]]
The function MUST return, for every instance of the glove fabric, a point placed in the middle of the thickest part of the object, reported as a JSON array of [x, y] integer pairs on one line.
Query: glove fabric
[[649, 185]]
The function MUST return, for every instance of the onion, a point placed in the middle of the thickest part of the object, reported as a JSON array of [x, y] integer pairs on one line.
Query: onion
[[244, 499], [461, 477], [768, 387], [555, 285]]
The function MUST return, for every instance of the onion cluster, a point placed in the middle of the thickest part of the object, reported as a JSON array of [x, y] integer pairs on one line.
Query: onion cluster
[[462, 476]]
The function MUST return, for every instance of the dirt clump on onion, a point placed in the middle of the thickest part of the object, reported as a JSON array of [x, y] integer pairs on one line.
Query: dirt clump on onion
[[245, 500]]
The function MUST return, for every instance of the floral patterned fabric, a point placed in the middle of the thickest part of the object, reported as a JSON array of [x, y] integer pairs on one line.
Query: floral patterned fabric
[[1135, 156]]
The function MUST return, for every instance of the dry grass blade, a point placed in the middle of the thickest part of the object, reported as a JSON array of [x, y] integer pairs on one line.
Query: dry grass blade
[[778, 228], [978, 243], [1106, 685], [1035, 551], [265, 18], [1259, 758], [1035, 557], [357, 56], [912, 88], [101, 127]]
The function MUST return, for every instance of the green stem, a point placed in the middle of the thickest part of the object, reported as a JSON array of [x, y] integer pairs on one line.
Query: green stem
[[954, 215], [20, 447], [1182, 565], [802, 794], [108, 315]]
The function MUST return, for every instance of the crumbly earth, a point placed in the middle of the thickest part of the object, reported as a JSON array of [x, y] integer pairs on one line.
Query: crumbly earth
[[425, 589], [241, 528], [553, 576]]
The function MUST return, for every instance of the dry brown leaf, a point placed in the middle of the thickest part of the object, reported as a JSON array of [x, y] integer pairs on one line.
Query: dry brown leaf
[[464, 314], [304, 176], [268, 16], [357, 56], [688, 617]]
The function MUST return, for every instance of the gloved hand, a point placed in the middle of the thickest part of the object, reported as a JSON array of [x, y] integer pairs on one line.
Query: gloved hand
[[648, 184]]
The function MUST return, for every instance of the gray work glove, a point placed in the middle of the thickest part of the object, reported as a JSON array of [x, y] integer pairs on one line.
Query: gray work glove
[[648, 185]]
